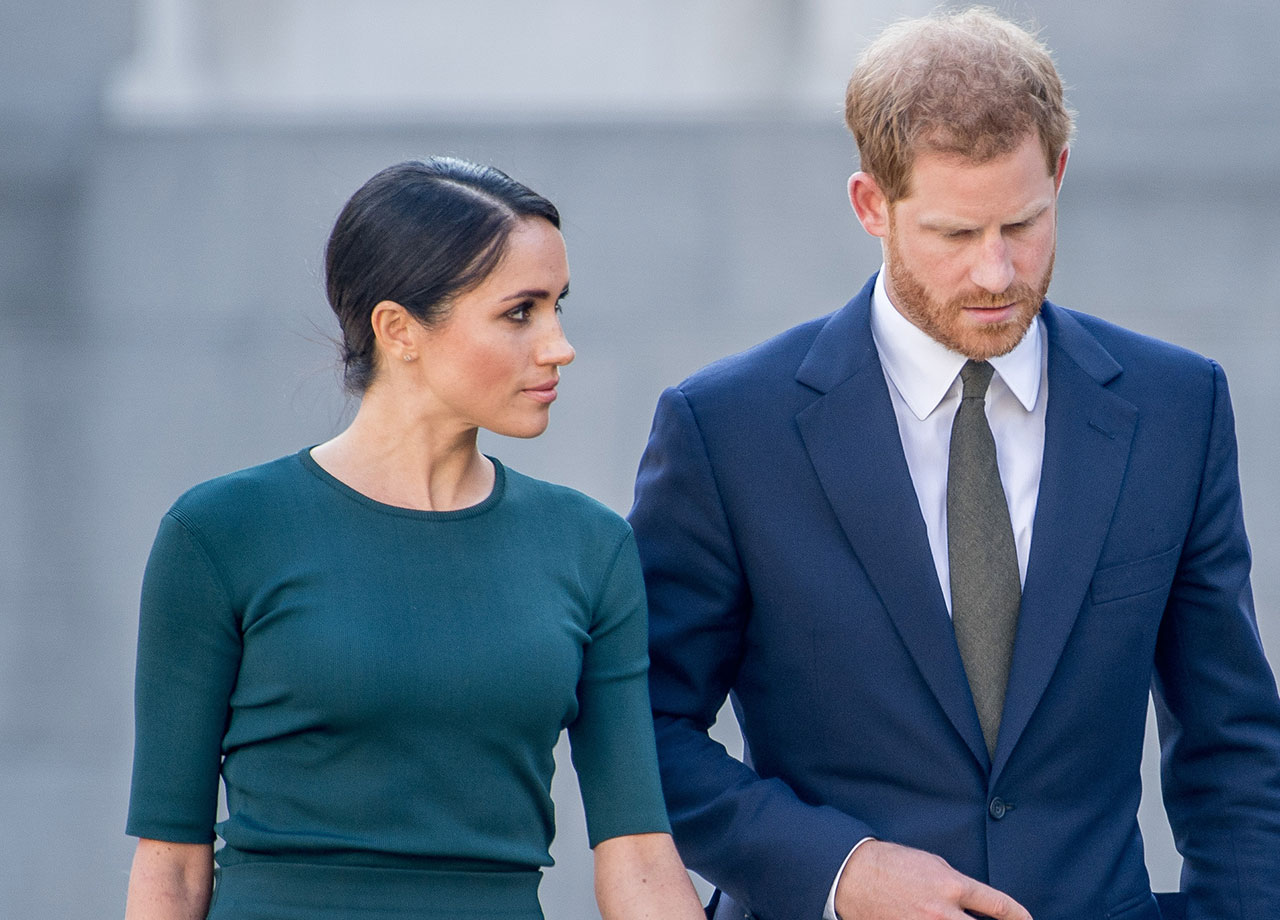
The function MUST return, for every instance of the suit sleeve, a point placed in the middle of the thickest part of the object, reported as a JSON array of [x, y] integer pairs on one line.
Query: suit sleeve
[[1216, 703], [751, 836]]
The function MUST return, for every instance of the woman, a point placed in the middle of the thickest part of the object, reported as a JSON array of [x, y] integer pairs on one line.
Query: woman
[[376, 642]]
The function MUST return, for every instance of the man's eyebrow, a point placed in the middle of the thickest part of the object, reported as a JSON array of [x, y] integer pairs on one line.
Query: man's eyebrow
[[1032, 212], [945, 222]]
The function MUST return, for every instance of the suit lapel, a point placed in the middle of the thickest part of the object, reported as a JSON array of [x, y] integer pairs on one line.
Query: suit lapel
[[1088, 432], [851, 435]]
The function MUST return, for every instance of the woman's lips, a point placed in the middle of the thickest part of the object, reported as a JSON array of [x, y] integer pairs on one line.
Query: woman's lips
[[545, 393]]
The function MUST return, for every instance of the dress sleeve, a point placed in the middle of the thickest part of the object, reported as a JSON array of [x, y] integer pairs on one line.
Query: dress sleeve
[[612, 736], [188, 657]]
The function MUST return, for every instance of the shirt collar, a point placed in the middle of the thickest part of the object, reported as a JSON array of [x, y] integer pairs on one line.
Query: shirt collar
[[924, 369]]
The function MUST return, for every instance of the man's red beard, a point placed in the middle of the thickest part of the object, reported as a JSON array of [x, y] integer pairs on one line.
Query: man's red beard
[[944, 322]]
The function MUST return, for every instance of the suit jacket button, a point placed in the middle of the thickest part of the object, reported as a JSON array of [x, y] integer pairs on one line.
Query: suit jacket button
[[997, 808]]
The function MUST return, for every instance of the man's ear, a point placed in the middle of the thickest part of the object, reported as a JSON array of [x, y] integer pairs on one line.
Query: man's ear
[[1061, 171], [869, 203]]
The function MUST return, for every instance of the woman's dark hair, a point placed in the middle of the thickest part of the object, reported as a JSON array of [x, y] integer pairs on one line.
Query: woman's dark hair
[[418, 233]]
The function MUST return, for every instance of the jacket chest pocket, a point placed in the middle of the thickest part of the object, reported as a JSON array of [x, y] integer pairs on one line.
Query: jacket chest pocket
[[1131, 579]]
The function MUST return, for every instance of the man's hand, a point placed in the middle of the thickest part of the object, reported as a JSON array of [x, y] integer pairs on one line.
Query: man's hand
[[885, 881]]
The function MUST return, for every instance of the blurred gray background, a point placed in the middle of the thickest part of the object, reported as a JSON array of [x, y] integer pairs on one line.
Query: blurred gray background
[[169, 170]]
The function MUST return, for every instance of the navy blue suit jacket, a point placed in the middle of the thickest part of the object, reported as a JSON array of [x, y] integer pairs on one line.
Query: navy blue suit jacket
[[787, 565]]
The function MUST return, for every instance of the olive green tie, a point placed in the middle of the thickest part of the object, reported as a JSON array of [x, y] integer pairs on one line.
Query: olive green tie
[[985, 588]]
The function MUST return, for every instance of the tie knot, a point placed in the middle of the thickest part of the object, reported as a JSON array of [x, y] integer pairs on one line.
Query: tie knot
[[976, 377]]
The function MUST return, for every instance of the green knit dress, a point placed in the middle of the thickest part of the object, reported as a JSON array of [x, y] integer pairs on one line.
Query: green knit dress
[[380, 690]]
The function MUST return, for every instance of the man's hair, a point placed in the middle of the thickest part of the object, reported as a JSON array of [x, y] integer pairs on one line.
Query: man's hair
[[969, 83]]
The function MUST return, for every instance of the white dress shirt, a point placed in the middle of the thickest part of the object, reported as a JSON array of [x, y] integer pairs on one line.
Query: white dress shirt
[[923, 376], [924, 386]]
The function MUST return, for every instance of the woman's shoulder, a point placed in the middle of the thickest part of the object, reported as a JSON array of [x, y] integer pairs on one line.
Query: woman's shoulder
[[247, 492], [563, 504]]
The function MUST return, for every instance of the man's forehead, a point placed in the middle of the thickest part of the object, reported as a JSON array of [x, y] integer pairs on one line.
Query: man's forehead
[[939, 150], [1016, 184]]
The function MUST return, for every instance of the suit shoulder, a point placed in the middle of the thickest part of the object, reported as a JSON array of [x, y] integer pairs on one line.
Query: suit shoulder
[[1149, 370], [766, 363], [1126, 343]]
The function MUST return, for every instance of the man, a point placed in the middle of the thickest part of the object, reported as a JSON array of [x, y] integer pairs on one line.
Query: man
[[939, 546]]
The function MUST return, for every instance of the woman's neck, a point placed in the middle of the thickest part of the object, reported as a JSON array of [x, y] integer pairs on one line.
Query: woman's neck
[[395, 456]]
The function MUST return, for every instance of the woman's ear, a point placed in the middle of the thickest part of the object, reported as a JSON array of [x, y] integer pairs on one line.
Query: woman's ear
[[869, 203], [395, 330]]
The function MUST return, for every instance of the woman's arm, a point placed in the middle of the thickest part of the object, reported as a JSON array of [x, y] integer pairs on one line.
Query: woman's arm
[[170, 881], [641, 877]]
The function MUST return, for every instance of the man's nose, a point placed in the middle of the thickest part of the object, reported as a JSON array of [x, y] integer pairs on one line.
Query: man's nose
[[993, 268]]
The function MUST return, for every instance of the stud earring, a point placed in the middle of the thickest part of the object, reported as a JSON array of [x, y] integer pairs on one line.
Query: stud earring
[[408, 357]]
